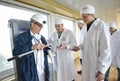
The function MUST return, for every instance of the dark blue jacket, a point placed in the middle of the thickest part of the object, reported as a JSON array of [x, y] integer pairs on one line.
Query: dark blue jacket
[[26, 67]]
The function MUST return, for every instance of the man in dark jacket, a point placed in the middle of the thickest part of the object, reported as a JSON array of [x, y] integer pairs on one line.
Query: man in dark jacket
[[34, 66]]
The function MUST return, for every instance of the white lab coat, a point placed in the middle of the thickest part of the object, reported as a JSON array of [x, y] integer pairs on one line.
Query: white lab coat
[[81, 38], [65, 61], [96, 49], [115, 48]]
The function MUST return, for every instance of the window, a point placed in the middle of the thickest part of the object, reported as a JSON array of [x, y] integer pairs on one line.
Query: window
[[68, 24], [77, 34], [7, 13]]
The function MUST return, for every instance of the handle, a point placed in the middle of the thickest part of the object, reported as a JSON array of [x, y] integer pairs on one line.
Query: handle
[[12, 58], [21, 55]]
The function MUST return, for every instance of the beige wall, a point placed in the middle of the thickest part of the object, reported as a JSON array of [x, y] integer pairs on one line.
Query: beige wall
[[111, 15], [118, 20]]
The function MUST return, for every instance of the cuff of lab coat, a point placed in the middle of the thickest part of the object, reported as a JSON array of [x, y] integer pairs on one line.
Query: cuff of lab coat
[[81, 46], [103, 71], [69, 47]]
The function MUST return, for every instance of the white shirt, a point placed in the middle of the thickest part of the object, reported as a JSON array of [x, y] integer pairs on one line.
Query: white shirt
[[39, 57]]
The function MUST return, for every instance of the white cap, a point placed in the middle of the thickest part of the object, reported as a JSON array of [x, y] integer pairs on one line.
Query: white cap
[[87, 9], [80, 21], [38, 18], [58, 21], [112, 24]]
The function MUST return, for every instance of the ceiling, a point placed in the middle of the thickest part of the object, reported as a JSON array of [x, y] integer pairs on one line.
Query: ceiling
[[100, 5]]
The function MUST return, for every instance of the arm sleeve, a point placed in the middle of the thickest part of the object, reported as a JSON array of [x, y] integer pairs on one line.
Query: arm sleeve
[[80, 46], [45, 42], [20, 46], [105, 55]]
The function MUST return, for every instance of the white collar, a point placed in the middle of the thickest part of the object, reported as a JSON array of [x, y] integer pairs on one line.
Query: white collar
[[31, 33], [37, 36]]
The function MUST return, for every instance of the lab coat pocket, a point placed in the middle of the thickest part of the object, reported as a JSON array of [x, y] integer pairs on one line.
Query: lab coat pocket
[[55, 64], [118, 61]]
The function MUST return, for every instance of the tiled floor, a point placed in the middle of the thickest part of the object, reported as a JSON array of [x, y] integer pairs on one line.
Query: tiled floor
[[113, 73], [77, 68], [112, 77]]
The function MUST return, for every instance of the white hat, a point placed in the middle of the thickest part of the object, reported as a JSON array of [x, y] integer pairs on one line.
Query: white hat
[[58, 21], [38, 18], [87, 9], [80, 21], [112, 24]]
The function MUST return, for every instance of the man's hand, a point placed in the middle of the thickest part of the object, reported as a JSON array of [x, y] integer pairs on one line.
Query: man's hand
[[99, 76], [38, 46], [62, 47], [76, 48]]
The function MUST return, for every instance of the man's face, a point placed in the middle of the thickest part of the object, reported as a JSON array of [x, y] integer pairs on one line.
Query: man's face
[[112, 30], [80, 25], [59, 27], [87, 17], [36, 27]]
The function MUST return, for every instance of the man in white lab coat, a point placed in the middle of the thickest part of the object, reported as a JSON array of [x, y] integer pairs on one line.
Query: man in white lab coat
[[64, 55], [96, 47], [82, 32], [115, 49]]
